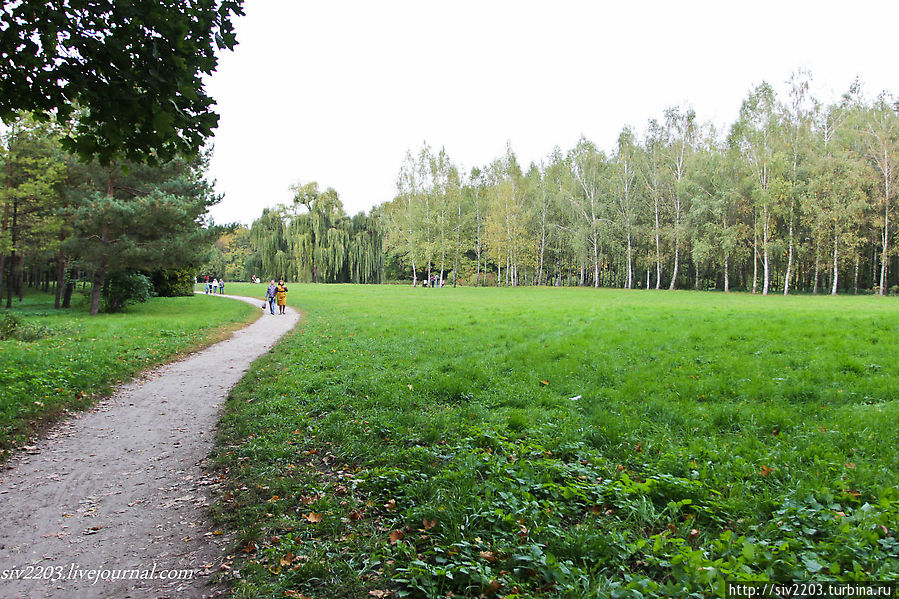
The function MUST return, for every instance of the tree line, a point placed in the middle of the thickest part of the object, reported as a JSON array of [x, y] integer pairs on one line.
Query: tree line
[[795, 195], [64, 220]]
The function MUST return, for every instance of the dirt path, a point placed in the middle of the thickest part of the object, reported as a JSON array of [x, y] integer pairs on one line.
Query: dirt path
[[123, 486]]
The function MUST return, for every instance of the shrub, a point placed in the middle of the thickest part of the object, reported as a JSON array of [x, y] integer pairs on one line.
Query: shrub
[[13, 327], [173, 282], [9, 325], [122, 288]]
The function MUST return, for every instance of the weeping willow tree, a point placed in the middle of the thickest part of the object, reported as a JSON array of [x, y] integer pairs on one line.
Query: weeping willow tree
[[269, 237], [318, 239], [365, 258], [314, 240]]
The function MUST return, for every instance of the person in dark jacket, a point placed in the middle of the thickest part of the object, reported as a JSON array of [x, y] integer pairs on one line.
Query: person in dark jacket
[[270, 296]]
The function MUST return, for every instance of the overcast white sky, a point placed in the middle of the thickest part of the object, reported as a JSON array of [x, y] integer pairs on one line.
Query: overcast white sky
[[336, 92]]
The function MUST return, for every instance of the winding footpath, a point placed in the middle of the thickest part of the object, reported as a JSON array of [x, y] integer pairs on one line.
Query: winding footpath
[[113, 502]]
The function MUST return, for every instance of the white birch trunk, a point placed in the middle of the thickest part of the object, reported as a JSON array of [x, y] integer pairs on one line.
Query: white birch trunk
[[836, 262], [817, 265], [677, 208], [765, 226], [658, 247], [789, 257], [755, 259], [726, 276], [885, 237], [477, 275]]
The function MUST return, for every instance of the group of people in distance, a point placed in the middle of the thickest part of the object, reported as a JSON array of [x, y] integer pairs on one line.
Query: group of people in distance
[[215, 286], [433, 281], [276, 294]]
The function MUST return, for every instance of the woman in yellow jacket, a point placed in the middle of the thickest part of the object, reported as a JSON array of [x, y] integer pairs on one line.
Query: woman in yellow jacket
[[281, 296]]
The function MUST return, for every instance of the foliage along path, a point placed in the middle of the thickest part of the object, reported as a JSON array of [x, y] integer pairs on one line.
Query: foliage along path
[[123, 485]]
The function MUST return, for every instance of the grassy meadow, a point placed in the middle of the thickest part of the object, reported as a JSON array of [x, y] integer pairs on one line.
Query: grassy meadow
[[68, 357], [538, 442]]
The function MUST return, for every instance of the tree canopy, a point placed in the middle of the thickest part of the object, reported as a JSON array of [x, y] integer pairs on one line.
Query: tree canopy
[[134, 69]]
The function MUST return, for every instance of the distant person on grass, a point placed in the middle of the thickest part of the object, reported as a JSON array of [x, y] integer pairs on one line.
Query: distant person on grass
[[281, 296], [270, 296]]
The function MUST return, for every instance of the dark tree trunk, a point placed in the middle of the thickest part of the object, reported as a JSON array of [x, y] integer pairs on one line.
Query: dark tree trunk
[[96, 287], [67, 294], [60, 279]]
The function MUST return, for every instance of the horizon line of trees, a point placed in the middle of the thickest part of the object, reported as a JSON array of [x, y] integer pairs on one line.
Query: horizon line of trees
[[796, 195]]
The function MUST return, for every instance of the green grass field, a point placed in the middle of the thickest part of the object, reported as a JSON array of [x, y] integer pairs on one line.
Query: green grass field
[[73, 357], [563, 443]]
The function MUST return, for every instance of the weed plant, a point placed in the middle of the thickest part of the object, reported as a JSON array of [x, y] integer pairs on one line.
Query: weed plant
[[572, 443]]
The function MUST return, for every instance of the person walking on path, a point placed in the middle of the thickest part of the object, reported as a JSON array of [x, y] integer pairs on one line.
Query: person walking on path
[[222, 287], [270, 296], [281, 296], [215, 286]]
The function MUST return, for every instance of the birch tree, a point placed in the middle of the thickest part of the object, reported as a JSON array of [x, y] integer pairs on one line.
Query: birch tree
[[624, 183], [880, 127], [754, 134], [680, 131], [798, 116], [653, 179], [588, 169]]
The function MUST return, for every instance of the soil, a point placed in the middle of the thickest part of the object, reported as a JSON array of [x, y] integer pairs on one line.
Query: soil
[[120, 492]]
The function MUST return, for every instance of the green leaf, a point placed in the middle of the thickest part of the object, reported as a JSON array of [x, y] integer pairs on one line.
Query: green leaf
[[811, 564]]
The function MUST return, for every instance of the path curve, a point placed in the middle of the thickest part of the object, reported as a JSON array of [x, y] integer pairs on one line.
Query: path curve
[[123, 485]]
